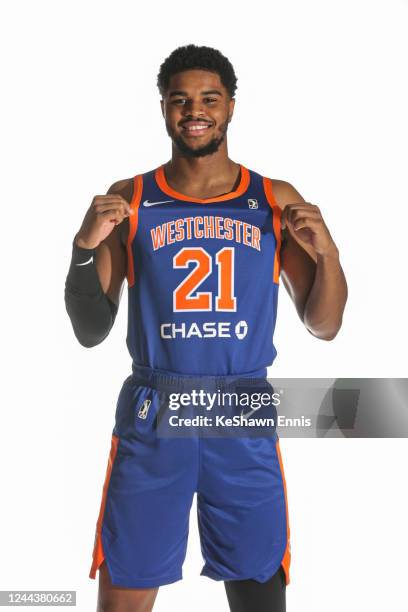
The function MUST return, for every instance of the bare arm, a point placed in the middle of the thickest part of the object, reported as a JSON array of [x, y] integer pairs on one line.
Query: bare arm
[[111, 255], [312, 275]]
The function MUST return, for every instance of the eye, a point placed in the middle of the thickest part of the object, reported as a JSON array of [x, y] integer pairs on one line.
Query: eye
[[178, 100], [210, 100]]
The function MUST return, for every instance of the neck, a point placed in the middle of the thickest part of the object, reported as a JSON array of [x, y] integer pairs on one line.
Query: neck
[[206, 172]]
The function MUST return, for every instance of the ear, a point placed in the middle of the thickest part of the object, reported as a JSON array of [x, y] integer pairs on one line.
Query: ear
[[231, 106], [162, 108]]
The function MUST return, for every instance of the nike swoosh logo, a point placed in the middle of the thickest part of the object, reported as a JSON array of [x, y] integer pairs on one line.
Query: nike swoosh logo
[[248, 414], [86, 262], [147, 203]]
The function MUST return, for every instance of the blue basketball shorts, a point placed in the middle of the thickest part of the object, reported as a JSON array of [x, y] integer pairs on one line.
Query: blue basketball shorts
[[150, 482]]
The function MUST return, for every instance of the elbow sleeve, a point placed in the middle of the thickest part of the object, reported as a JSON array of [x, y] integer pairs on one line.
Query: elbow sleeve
[[91, 311]]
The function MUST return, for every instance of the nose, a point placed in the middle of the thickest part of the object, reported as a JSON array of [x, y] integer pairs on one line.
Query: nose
[[193, 108]]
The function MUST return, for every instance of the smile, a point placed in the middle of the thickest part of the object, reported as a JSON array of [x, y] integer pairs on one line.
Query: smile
[[196, 129]]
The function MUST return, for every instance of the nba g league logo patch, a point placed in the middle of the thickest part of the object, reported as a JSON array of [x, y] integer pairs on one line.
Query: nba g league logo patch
[[252, 203], [144, 409]]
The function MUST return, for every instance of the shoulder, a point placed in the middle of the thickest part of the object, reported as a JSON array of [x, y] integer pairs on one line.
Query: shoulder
[[285, 193], [124, 187]]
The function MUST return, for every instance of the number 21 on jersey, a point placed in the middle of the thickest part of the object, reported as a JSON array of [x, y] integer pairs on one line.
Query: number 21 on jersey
[[183, 300]]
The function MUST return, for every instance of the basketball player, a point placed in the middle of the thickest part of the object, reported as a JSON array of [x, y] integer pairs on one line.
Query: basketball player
[[202, 242]]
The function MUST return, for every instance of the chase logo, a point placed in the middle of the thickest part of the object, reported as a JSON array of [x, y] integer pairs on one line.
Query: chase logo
[[252, 203], [241, 329]]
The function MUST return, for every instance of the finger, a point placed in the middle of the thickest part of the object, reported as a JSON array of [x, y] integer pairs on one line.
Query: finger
[[302, 214], [301, 205], [108, 199], [112, 215], [290, 209], [115, 201], [285, 215], [99, 208], [300, 209], [309, 222], [293, 213]]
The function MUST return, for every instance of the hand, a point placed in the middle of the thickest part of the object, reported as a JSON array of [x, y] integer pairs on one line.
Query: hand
[[306, 221], [105, 212]]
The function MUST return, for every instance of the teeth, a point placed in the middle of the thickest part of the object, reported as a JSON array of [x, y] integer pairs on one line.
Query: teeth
[[197, 127]]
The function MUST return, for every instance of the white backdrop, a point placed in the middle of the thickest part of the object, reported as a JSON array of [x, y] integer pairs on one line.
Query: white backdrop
[[321, 103]]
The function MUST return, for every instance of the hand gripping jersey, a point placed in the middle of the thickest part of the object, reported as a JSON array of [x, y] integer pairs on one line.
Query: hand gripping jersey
[[203, 277]]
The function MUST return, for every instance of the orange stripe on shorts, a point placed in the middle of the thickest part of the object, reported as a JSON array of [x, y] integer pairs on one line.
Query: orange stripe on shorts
[[287, 556], [98, 554]]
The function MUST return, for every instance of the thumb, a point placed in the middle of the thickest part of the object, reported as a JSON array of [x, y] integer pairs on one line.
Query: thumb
[[283, 218]]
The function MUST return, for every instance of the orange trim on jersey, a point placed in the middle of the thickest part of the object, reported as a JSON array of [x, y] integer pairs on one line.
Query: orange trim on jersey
[[286, 556], [276, 220], [165, 187], [98, 554], [133, 223]]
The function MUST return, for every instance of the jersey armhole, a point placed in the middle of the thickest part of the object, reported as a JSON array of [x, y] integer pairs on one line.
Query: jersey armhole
[[276, 225], [133, 225]]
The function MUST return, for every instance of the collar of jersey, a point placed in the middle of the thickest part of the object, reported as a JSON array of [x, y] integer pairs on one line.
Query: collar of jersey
[[165, 187]]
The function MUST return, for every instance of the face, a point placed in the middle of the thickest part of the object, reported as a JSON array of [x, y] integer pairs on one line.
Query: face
[[197, 109]]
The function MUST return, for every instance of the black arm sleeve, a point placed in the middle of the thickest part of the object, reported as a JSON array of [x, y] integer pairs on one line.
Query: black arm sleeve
[[91, 311]]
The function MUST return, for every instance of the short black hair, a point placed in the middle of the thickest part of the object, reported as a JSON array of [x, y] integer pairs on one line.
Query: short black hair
[[190, 57]]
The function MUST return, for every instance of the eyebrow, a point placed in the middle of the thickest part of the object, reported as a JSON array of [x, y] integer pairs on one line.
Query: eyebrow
[[178, 92]]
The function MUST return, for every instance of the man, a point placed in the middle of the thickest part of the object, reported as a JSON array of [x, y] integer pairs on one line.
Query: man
[[202, 242]]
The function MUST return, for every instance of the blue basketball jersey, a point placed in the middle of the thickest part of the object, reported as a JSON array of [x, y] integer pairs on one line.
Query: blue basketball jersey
[[203, 277]]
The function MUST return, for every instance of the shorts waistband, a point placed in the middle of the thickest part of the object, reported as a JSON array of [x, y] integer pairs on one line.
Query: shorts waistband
[[174, 381]]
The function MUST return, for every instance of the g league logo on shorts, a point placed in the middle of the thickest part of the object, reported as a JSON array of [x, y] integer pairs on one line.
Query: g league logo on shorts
[[144, 409]]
